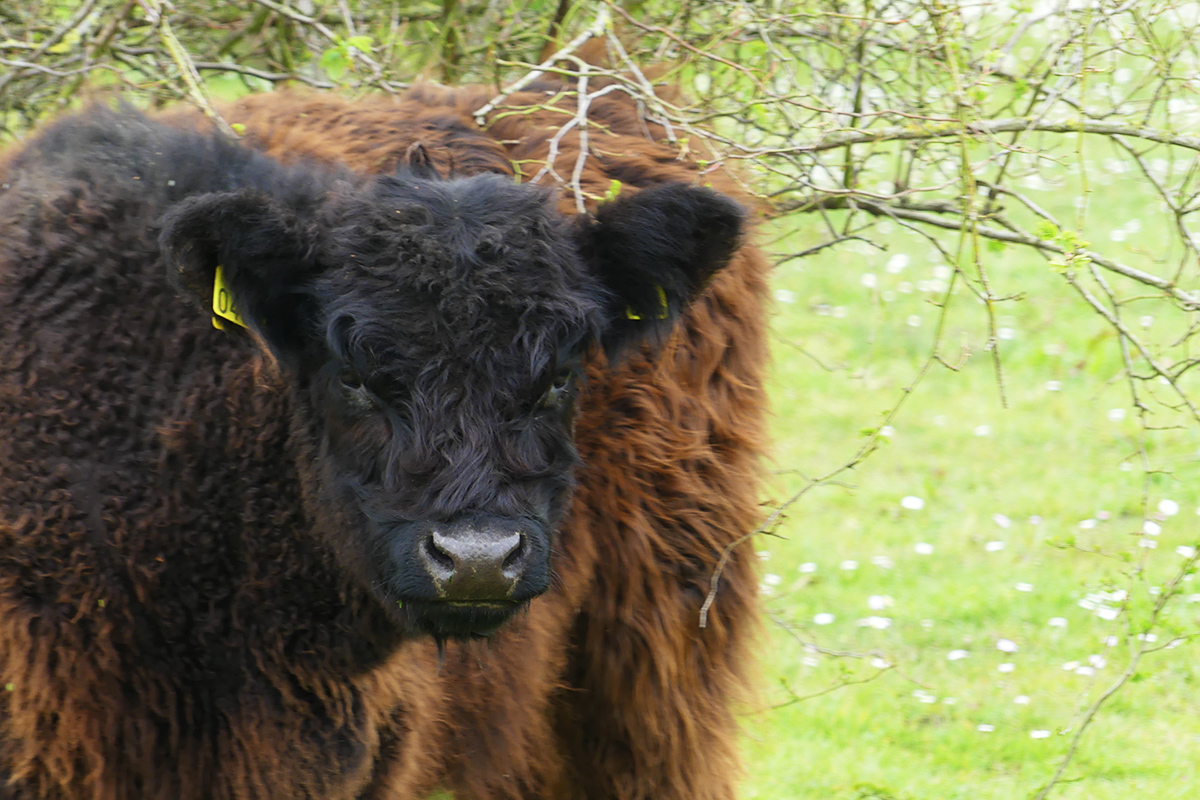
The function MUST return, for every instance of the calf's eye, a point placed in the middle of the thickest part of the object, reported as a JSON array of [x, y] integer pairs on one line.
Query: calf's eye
[[352, 385], [558, 391]]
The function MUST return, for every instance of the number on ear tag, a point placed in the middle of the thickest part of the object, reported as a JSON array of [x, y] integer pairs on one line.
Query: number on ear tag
[[222, 302]]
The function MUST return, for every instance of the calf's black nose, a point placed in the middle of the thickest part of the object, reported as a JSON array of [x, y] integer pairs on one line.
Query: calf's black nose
[[471, 563]]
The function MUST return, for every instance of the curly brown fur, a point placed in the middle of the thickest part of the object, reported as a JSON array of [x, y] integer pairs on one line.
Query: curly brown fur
[[244, 659]]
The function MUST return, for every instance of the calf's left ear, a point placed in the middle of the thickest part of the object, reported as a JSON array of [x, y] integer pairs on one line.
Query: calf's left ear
[[656, 251], [265, 258]]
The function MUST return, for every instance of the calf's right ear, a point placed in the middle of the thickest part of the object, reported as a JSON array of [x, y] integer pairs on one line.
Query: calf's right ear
[[264, 253], [655, 251]]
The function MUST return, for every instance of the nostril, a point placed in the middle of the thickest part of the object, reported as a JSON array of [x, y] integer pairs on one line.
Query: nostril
[[517, 554], [437, 554]]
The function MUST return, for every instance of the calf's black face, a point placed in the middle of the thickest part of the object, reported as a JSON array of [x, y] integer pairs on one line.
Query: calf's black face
[[433, 331]]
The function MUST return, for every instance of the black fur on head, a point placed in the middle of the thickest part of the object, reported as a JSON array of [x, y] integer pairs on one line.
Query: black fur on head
[[433, 331]]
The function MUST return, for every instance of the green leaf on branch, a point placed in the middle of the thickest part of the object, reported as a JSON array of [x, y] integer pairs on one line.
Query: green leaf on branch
[[337, 60], [1046, 230]]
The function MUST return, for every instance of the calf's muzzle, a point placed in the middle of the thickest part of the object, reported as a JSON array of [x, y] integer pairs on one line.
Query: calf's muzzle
[[477, 560]]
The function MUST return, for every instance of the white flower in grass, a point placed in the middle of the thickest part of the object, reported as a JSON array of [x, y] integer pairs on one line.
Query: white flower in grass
[[1070, 666], [983, 727], [784, 296], [1006, 667], [1007, 646], [1108, 613], [1007, 334], [878, 602], [924, 696], [1024, 587], [1116, 414], [912, 502], [1149, 544], [849, 565], [1151, 528], [1110, 641], [957, 655], [1087, 524], [808, 567], [1001, 520], [771, 579], [810, 661], [1186, 551], [883, 562], [1053, 386], [983, 430], [923, 549], [1057, 622], [1021, 699], [1039, 734], [1147, 637], [764, 555], [1098, 661], [1168, 507], [824, 618], [1171, 645], [878, 623], [1146, 320], [994, 547], [887, 431], [913, 321], [1085, 671], [870, 280], [880, 663], [1087, 604], [897, 263], [1193, 598]]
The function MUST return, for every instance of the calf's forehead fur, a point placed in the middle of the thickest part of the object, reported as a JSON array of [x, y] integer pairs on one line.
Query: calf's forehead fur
[[475, 276]]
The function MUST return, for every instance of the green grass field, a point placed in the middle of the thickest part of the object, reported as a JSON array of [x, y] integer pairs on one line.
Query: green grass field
[[936, 625]]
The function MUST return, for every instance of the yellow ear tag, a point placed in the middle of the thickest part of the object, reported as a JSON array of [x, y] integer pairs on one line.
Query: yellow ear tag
[[663, 308], [222, 302]]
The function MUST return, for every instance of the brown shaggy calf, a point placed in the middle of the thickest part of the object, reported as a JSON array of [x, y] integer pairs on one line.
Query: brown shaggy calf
[[247, 655]]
